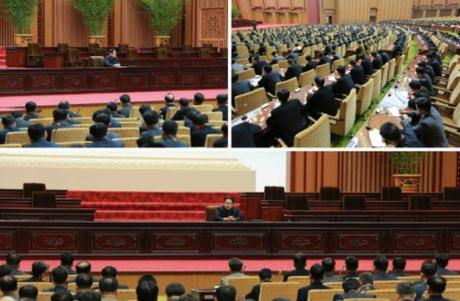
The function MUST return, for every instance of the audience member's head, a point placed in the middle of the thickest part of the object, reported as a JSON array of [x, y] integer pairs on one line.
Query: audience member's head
[[147, 277], [151, 118], [350, 284], [189, 297], [144, 109], [390, 133], [112, 106], [60, 115], [283, 95], [13, 260], [84, 281], [147, 291], [184, 103], [399, 264], [169, 98], [316, 272], [8, 284], [381, 263], [405, 291], [341, 71], [226, 293], [300, 261], [108, 286], [198, 99], [59, 275], [319, 81], [265, 275], [125, 99], [31, 107], [436, 285], [170, 128], [98, 131], [235, 265], [428, 269], [366, 278], [4, 270], [174, 291], [328, 264], [442, 260], [109, 271], [268, 69], [67, 259], [62, 295], [39, 268], [113, 52], [89, 295], [83, 267], [64, 105], [222, 99], [351, 263], [29, 292], [36, 132], [8, 122], [424, 106]]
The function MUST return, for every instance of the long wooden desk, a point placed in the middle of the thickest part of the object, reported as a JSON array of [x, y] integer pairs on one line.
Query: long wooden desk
[[21, 213]]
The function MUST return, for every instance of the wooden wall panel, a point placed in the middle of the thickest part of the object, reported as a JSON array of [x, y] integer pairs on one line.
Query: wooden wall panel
[[6, 27], [68, 25], [394, 10], [439, 2], [211, 23], [453, 2], [365, 171], [352, 11], [425, 3], [132, 24], [328, 4]]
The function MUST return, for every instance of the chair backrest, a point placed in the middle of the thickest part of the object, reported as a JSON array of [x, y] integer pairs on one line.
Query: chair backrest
[[329, 193], [214, 115], [73, 144], [184, 139], [274, 193], [246, 74], [129, 142], [126, 132], [69, 134], [392, 69], [42, 121], [391, 194], [454, 78], [307, 78], [290, 84], [337, 63], [363, 101], [203, 108], [400, 63], [384, 75], [420, 202], [211, 139], [386, 284], [29, 188], [271, 290], [354, 202], [130, 124], [250, 101], [283, 64], [43, 199], [316, 135], [451, 194], [377, 76], [10, 145], [348, 111], [242, 61], [323, 70], [96, 61], [454, 98], [242, 51], [323, 295], [303, 280], [451, 294], [126, 294], [301, 60], [243, 285], [17, 138], [296, 202], [170, 112]]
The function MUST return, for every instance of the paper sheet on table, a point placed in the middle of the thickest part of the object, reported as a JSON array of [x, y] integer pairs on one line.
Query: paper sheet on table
[[376, 139], [393, 111]]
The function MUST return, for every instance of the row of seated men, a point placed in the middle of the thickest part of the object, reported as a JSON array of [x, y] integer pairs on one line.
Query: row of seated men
[[355, 285], [153, 133]]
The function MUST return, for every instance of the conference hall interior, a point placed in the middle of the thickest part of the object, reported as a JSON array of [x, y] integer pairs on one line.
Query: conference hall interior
[[227, 226], [345, 73], [113, 73]]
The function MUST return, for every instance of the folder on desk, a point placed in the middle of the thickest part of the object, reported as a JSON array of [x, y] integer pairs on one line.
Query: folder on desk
[[376, 139]]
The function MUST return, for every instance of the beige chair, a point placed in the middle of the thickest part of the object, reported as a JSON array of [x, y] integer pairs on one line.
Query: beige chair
[[334, 285], [130, 124], [271, 290], [74, 144], [388, 284], [242, 51], [451, 98], [384, 75], [129, 142], [450, 115], [377, 76], [17, 138], [42, 121], [301, 60], [316, 135], [69, 134], [303, 280], [214, 115], [170, 113], [242, 61], [290, 84], [11, 146], [392, 69], [307, 78], [250, 101], [126, 294], [42, 296], [414, 278], [184, 139], [211, 139], [342, 123], [337, 63], [126, 132], [363, 101], [83, 120], [323, 295], [451, 294], [283, 64], [243, 285], [246, 74], [203, 108], [183, 130], [388, 294], [323, 70], [399, 64]]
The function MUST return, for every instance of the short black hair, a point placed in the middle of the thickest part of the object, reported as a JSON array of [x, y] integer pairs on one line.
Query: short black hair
[[147, 291], [350, 284], [429, 269], [199, 119], [405, 289], [84, 281], [389, 131], [112, 106], [235, 264], [36, 132], [109, 271], [151, 118], [63, 105], [125, 99], [424, 104], [222, 99], [399, 263], [28, 291], [184, 102], [39, 268], [420, 70], [144, 108], [108, 285], [63, 295], [112, 50], [170, 128], [328, 264], [319, 81], [88, 295], [103, 118], [4, 270], [265, 274], [67, 259], [415, 85], [83, 267], [98, 130], [198, 98], [169, 98], [226, 293], [59, 274], [366, 278], [31, 106], [60, 115], [442, 260], [381, 263], [283, 95], [351, 263], [175, 289], [437, 284], [147, 277], [268, 68], [13, 259], [341, 70], [300, 260], [8, 121], [316, 272], [8, 283]]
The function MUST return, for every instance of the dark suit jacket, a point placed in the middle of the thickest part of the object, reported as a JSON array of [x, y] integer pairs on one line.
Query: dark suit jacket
[[220, 143], [222, 213], [352, 295], [310, 65], [4, 132], [302, 293], [199, 136], [110, 61], [125, 110], [377, 64], [239, 88], [437, 298], [269, 81], [105, 143], [224, 110], [358, 75], [431, 132], [303, 272], [254, 293], [322, 101], [446, 272], [293, 71], [367, 66], [287, 120], [259, 66], [384, 276], [342, 87], [243, 134], [29, 116], [41, 143], [409, 140]]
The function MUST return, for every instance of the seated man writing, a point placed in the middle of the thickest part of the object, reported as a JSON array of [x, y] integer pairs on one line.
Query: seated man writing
[[227, 212]]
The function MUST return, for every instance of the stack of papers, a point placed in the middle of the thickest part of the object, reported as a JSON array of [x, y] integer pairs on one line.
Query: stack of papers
[[376, 139]]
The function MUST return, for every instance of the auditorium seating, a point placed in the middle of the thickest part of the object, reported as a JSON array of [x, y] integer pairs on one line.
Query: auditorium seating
[[247, 102], [342, 123]]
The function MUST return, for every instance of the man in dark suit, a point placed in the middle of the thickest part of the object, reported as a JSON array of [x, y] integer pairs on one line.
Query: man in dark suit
[[175, 291], [244, 133], [436, 286], [405, 291], [222, 142], [202, 130], [442, 260], [67, 260], [300, 262], [311, 64], [39, 271], [434, 63], [13, 261], [366, 64], [9, 125], [239, 87], [343, 84], [270, 79], [316, 276], [288, 119], [31, 109], [111, 272], [367, 282], [169, 103], [428, 270], [418, 92], [228, 212], [351, 265], [183, 105], [265, 275], [106, 119], [126, 106], [324, 59], [65, 105], [380, 269], [152, 127], [350, 287], [198, 99], [99, 133], [258, 65], [111, 59], [60, 121], [169, 135], [59, 279], [357, 73], [399, 265], [84, 284], [293, 70], [322, 100], [392, 135], [37, 136], [9, 288], [429, 129], [385, 57], [222, 103], [424, 79], [376, 61], [328, 264]]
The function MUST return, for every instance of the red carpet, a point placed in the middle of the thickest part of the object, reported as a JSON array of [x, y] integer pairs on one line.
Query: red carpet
[[2, 57], [10, 102], [140, 206], [251, 265]]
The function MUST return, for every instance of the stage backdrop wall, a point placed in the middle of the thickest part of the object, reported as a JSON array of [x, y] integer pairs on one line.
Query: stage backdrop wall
[[202, 21], [122, 170], [365, 171]]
